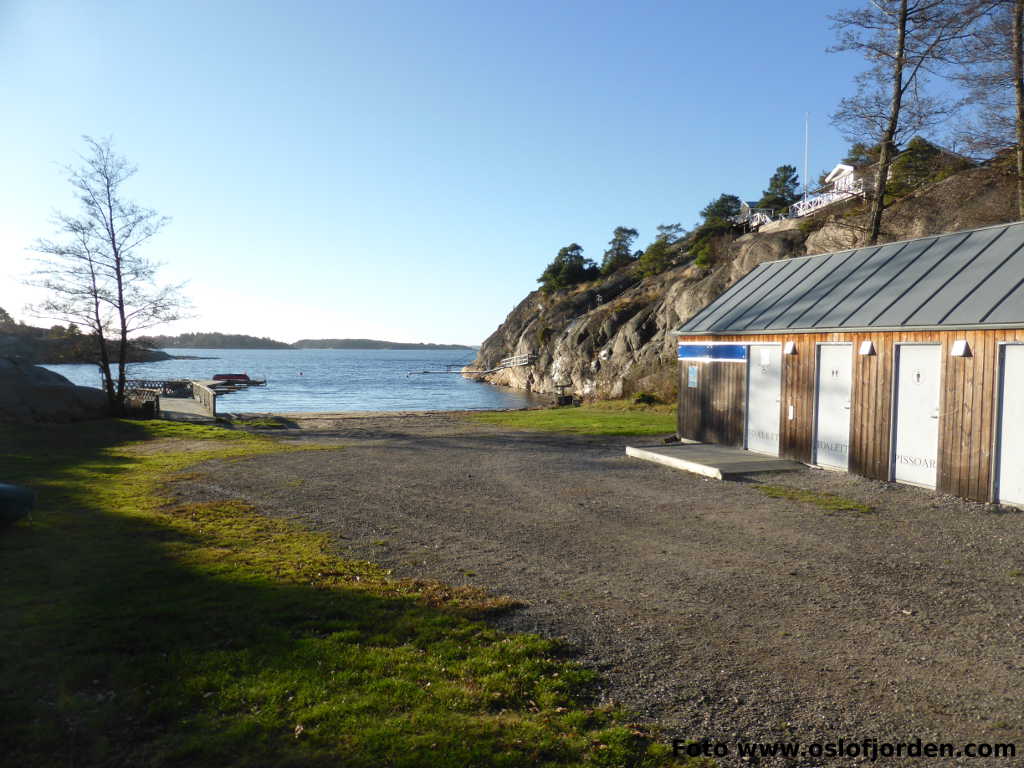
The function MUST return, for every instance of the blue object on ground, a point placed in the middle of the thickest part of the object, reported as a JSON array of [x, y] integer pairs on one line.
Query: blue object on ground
[[16, 502]]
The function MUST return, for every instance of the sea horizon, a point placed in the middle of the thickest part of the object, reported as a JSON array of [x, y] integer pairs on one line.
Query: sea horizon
[[327, 380]]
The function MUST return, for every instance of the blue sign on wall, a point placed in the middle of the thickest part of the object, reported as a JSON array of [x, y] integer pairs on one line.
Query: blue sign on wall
[[726, 352]]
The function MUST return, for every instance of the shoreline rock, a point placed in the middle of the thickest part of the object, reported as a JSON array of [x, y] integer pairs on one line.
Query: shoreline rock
[[29, 393]]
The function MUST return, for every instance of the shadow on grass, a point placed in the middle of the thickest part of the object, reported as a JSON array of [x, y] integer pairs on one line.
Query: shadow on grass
[[206, 634]]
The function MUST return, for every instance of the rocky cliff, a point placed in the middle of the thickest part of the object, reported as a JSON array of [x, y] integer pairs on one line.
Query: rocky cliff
[[613, 337]]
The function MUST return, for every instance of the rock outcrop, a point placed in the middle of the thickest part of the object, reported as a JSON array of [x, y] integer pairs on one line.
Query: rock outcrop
[[29, 393], [613, 337], [29, 344]]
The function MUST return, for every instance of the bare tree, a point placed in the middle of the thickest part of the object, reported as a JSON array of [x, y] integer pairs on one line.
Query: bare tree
[[902, 41], [993, 74], [95, 276]]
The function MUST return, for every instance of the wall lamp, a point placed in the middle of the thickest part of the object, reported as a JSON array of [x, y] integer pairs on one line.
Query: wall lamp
[[961, 349]]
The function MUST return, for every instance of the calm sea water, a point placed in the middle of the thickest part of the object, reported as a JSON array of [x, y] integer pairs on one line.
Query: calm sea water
[[320, 380]]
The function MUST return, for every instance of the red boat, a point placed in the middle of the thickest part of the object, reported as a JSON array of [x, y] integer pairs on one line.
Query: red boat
[[239, 379]]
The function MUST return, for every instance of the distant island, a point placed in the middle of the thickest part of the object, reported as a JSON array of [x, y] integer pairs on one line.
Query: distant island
[[213, 340], [369, 344]]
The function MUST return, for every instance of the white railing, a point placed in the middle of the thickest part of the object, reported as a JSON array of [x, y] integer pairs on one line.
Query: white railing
[[515, 361], [205, 396], [822, 199], [506, 362], [817, 202]]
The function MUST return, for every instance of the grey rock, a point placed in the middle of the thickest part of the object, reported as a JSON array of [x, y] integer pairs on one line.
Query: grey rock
[[29, 393]]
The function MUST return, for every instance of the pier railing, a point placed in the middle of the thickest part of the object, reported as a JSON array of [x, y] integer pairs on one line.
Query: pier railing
[[151, 390], [205, 396], [165, 387]]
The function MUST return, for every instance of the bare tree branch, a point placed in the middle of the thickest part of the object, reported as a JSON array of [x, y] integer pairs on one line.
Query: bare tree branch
[[992, 60], [93, 274], [901, 40]]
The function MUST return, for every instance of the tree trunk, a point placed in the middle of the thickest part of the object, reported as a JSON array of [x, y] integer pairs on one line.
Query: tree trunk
[[108, 382], [101, 340], [122, 349], [887, 142], [1018, 86]]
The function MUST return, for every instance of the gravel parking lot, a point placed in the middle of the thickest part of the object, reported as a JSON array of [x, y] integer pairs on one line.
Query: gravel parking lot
[[710, 608]]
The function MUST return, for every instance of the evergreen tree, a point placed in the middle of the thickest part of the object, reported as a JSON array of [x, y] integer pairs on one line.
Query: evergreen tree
[[620, 250], [670, 233], [724, 207], [658, 256], [568, 268], [783, 189], [860, 154]]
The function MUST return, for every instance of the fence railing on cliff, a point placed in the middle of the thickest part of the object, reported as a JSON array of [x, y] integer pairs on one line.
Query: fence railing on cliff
[[515, 361]]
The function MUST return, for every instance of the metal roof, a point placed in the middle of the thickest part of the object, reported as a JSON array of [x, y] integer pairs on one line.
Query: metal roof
[[960, 280]]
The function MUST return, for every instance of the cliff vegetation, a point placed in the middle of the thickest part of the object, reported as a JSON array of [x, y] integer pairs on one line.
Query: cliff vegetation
[[609, 333]]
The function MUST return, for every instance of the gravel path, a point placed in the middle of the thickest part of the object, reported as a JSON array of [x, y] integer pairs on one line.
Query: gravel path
[[708, 607]]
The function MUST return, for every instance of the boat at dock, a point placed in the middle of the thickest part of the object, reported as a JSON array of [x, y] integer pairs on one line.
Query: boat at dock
[[239, 379]]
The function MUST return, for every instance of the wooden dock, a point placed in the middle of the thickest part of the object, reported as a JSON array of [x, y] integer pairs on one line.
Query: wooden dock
[[184, 409], [184, 399]]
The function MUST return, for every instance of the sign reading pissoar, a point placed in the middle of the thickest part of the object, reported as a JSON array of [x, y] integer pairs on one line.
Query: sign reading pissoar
[[727, 353]]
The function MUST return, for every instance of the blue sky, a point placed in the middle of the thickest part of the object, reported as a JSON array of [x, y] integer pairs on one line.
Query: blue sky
[[401, 170]]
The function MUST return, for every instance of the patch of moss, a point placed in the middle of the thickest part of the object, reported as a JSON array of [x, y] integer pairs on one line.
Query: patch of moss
[[827, 501]]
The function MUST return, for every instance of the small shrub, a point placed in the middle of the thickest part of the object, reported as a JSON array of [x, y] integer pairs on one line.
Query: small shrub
[[710, 240], [811, 224], [645, 398]]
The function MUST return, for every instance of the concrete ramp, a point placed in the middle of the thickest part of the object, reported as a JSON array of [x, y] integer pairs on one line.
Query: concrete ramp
[[184, 409], [718, 461]]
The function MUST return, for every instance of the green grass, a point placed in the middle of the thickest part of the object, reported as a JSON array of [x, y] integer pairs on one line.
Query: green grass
[[827, 501], [138, 632], [259, 422], [615, 417]]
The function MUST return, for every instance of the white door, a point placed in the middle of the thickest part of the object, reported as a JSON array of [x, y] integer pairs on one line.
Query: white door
[[832, 408], [918, 371], [1010, 471], [764, 395]]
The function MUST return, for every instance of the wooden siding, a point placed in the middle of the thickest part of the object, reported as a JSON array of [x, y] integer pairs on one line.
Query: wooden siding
[[714, 412]]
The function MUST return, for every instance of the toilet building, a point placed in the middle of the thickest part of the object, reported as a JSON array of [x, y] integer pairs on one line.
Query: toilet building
[[902, 361]]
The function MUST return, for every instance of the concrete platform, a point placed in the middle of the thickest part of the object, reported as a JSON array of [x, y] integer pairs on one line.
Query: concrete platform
[[717, 461], [183, 409]]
